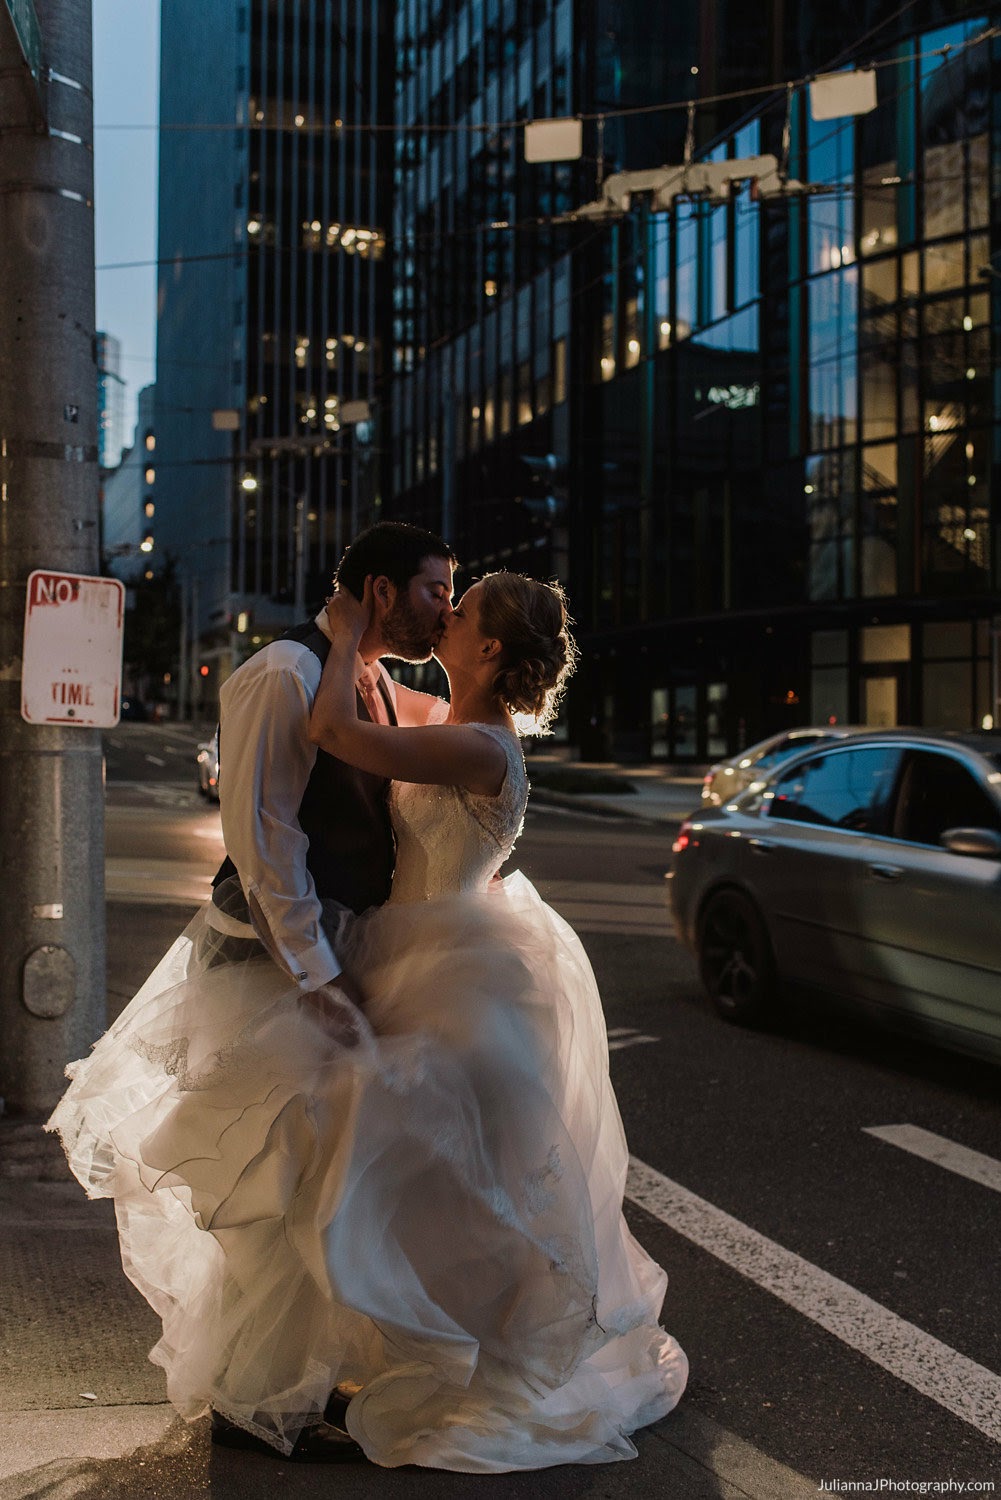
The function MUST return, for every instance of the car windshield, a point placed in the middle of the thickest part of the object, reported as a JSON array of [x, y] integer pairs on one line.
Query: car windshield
[[787, 747]]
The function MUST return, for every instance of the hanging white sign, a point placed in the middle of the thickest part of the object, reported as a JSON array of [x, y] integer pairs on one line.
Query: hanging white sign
[[72, 657]]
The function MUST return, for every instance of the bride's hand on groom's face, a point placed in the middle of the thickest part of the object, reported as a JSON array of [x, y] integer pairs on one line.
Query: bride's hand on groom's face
[[349, 616]]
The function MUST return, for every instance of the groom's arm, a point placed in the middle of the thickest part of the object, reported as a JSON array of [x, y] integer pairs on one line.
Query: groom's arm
[[266, 759]]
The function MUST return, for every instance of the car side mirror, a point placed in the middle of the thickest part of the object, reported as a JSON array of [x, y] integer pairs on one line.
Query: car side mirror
[[981, 841]]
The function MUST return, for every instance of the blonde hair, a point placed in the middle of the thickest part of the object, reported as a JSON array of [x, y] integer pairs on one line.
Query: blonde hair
[[530, 620]]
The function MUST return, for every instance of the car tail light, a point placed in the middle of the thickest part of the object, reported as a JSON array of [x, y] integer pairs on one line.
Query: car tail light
[[684, 837]]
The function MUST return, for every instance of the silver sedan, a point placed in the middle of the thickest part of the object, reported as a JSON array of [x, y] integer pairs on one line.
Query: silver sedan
[[869, 870]]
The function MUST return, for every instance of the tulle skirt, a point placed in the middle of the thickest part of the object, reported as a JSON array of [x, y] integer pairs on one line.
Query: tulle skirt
[[423, 1200]]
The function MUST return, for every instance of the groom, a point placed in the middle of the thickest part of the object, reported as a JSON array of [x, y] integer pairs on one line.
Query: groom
[[301, 828]]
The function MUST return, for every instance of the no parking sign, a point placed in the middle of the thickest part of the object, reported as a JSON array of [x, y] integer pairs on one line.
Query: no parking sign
[[72, 659]]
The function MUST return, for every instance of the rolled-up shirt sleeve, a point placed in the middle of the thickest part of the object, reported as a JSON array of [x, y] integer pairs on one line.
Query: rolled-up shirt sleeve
[[266, 760]]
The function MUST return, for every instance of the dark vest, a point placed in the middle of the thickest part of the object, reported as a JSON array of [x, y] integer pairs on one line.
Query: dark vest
[[343, 814]]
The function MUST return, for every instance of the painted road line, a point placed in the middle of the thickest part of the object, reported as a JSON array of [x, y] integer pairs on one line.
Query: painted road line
[[945, 1376], [172, 882], [943, 1152], [627, 1036], [609, 906], [155, 760]]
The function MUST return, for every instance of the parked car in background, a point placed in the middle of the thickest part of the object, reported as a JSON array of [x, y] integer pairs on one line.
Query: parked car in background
[[208, 768], [723, 781], [867, 869]]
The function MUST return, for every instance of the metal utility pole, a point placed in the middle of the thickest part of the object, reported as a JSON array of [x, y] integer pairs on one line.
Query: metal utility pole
[[52, 947]]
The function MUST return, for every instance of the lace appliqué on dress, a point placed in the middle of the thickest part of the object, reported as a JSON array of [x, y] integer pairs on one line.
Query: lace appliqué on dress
[[450, 840]]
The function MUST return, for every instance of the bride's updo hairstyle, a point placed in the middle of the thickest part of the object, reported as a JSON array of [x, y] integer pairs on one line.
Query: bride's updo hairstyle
[[530, 619]]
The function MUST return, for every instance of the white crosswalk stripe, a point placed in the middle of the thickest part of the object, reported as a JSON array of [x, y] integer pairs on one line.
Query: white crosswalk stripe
[[944, 1153], [157, 882], [610, 906], [960, 1385], [626, 1036]]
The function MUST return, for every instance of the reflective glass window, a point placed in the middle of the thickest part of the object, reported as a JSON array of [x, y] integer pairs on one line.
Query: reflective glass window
[[844, 788], [885, 139], [829, 695], [747, 228], [946, 697], [955, 102], [687, 250], [938, 792], [830, 217], [829, 495], [879, 520], [833, 334]]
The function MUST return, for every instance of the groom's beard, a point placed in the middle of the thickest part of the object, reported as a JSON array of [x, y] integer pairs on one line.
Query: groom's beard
[[406, 635]]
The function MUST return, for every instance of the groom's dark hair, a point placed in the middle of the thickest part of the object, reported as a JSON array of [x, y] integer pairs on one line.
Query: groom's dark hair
[[393, 549]]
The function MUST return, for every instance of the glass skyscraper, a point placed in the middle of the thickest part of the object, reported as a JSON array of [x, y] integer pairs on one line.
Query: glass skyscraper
[[273, 304], [757, 437], [110, 402]]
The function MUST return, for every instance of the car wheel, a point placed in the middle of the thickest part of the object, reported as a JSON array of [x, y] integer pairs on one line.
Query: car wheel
[[735, 958]]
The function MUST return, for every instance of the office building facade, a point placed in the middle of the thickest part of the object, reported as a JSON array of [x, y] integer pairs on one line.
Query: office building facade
[[757, 437], [110, 402], [128, 502], [271, 305]]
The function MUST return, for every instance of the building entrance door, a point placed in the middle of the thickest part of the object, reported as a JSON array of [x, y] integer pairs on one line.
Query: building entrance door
[[880, 699]]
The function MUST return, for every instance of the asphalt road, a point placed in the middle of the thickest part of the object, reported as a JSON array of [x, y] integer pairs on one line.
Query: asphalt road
[[835, 1291]]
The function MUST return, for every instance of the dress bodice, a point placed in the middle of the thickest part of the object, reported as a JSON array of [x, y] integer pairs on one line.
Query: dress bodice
[[450, 840]]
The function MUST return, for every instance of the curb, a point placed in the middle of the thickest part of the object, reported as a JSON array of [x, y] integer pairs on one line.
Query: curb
[[546, 796]]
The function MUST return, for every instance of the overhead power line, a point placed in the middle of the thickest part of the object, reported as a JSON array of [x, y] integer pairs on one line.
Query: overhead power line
[[491, 127]]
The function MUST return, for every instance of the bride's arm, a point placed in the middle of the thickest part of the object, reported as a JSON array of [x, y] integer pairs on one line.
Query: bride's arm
[[443, 755]]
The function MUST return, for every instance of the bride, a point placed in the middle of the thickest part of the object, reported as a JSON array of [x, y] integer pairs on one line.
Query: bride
[[420, 1201]]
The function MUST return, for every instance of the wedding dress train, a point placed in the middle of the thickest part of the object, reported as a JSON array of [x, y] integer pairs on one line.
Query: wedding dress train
[[424, 1199]]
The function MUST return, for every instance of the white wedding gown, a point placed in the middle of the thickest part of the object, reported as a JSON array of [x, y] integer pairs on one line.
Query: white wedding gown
[[425, 1200]]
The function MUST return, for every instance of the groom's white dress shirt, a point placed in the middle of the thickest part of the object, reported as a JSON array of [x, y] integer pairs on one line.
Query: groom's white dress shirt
[[266, 760]]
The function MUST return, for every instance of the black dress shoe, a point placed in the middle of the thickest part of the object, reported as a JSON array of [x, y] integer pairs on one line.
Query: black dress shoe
[[323, 1443]]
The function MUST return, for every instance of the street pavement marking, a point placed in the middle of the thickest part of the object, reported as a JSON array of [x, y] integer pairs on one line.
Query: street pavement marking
[[943, 1152], [968, 1390], [610, 906], [171, 882], [627, 1036], [155, 760]]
